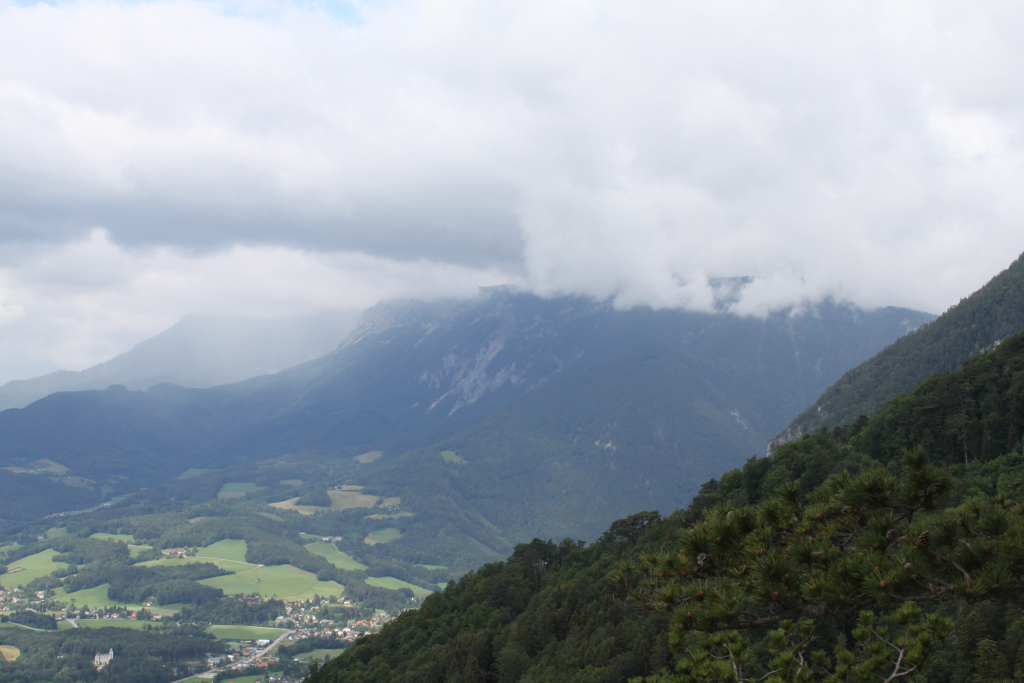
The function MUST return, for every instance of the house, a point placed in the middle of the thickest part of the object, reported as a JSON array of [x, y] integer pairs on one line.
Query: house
[[101, 660]]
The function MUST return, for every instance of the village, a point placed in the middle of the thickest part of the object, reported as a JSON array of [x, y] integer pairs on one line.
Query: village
[[280, 651]]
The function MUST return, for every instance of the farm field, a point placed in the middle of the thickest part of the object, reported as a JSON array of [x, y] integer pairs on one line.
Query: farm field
[[319, 655], [367, 458], [237, 490], [382, 536], [340, 500], [238, 679], [9, 652], [32, 567], [97, 597], [228, 555], [335, 556], [395, 584], [127, 538], [227, 565], [229, 632], [225, 550], [281, 581], [104, 623], [452, 458]]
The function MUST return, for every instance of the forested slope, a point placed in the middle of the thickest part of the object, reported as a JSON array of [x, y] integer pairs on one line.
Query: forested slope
[[551, 612], [994, 312]]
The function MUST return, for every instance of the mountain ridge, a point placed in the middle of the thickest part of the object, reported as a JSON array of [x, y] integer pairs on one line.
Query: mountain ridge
[[975, 324]]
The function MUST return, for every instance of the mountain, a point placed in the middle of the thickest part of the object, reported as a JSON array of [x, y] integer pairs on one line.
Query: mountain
[[198, 351], [551, 612], [412, 374], [974, 325], [641, 431]]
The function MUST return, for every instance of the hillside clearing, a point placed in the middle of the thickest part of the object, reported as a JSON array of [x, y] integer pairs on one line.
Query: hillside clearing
[[340, 500], [339, 559], [382, 536], [279, 581], [395, 584], [26, 569], [9, 652], [237, 490], [232, 632]]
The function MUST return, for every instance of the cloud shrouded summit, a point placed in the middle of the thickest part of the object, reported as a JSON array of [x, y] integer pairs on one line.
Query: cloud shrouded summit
[[871, 151]]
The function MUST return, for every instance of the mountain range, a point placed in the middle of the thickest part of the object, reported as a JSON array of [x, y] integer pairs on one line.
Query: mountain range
[[198, 351], [482, 379]]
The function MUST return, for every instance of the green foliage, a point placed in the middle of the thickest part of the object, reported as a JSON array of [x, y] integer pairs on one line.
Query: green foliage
[[231, 610], [975, 325], [156, 656], [34, 619], [318, 497], [856, 593]]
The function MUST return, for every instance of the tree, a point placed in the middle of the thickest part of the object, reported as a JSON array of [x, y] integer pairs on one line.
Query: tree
[[854, 546]]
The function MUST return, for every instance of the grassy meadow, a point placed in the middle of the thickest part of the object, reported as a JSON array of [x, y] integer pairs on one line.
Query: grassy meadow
[[237, 490], [395, 584], [230, 632], [382, 536], [28, 568], [340, 500], [334, 556], [281, 581]]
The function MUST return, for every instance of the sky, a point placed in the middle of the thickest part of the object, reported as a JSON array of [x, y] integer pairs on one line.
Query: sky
[[263, 158]]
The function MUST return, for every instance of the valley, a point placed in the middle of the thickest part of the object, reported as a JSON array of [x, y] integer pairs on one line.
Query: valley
[[322, 502]]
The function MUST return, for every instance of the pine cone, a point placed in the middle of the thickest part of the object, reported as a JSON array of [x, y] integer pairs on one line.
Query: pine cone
[[893, 534], [847, 510], [922, 540]]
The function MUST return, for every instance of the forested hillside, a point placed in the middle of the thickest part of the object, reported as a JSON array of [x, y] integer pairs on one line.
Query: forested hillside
[[554, 612], [994, 312]]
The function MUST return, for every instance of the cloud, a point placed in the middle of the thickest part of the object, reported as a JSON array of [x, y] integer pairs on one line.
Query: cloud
[[82, 302], [624, 150]]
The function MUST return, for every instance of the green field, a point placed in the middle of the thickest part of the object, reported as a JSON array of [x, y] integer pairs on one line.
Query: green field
[[367, 458], [245, 632], [239, 679], [135, 550], [127, 538], [431, 566], [292, 482], [319, 655], [31, 567], [102, 623], [335, 557], [348, 497], [227, 565], [452, 457], [97, 597], [225, 550], [382, 536], [228, 555], [56, 532], [237, 490], [281, 581], [394, 584]]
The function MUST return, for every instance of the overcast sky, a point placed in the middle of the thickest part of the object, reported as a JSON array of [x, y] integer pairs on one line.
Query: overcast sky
[[260, 158]]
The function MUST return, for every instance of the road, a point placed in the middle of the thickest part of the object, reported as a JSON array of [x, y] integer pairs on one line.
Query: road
[[244, 662]]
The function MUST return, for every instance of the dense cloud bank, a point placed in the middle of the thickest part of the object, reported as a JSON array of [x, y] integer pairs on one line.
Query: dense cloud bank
[[623, 150]]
